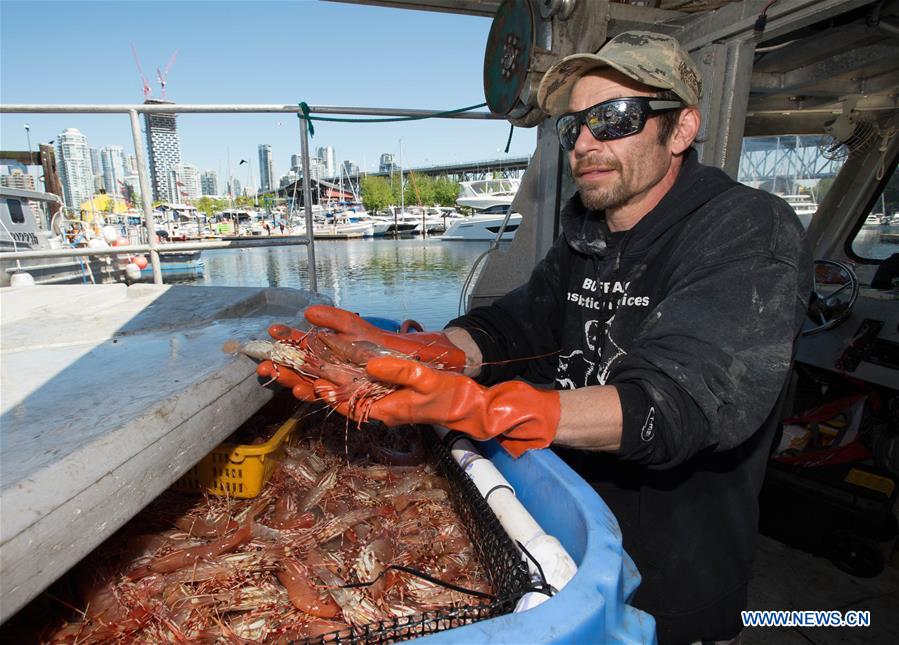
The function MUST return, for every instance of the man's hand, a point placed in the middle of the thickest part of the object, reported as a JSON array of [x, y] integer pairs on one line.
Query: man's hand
[[522, 417], [430, 347]]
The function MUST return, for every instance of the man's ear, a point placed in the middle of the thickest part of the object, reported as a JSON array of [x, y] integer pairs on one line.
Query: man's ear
[[687, 130]]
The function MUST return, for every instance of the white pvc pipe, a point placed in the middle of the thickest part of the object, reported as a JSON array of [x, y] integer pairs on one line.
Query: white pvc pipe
[[557, 565]]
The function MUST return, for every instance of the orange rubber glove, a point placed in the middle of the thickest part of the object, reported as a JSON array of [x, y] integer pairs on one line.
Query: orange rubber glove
[[430, 347], [519, 415]]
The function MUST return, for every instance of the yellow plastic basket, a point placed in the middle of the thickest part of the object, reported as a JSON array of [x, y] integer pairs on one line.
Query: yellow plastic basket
[[237, 470]]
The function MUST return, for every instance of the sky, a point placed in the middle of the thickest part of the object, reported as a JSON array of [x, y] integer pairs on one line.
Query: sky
[[241, 52]]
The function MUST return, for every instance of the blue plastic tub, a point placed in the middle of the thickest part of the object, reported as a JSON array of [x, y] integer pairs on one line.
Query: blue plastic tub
[[387, 324], [593, 607]]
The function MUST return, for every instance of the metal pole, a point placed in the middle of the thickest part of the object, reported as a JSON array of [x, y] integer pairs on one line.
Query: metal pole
[[307, 204], [28, 136], [145, 197]]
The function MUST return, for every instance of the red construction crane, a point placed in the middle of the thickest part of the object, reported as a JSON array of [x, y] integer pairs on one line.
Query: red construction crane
[[148, 91], [161, 76]]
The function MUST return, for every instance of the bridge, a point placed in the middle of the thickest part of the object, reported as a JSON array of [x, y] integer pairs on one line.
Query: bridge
[[347, 188], [780, 163], [465, 171]]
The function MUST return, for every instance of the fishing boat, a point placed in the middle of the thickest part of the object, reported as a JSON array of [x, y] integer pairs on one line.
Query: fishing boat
[[20, 212]]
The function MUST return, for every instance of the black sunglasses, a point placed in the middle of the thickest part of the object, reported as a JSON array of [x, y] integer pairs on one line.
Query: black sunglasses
[[612, 119]]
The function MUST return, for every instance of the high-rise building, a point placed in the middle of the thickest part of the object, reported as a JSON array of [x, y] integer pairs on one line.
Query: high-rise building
[[266, 172], [387, 163], [290, 177], [18, 179], [97, 171], [350, 169], [296, 163], [328, 160], [73, 157], [209, 183], [316, 169], [164, 148], [112, 160], [96, 164], [184, 183], [235, 187], [130, 165]]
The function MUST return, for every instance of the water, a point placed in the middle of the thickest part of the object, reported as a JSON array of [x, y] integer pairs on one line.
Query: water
[[399, 279], [876, 241]]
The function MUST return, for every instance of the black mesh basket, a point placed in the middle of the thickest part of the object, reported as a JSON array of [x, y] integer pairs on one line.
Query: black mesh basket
[[500, 558]]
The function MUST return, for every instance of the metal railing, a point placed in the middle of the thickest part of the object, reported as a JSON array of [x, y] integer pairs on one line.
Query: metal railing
[[153, 247]]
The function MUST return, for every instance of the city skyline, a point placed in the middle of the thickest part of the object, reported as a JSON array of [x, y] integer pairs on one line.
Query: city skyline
[[233, 55], [87, 170]]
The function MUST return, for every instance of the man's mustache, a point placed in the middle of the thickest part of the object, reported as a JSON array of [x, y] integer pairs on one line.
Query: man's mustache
[[595, 161]]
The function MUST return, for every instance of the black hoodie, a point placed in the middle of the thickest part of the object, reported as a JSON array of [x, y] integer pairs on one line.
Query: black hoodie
[[691, 315]]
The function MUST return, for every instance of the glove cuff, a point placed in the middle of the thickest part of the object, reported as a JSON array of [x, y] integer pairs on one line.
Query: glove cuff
[[521, 416]]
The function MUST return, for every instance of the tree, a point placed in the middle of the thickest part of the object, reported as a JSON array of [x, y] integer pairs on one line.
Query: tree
[[206, 205], [445, 191], [377, 193], [244, 201], [422, 190]]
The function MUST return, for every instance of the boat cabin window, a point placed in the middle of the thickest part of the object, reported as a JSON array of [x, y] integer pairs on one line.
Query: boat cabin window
[[798, 168], [16, 213], [877, 237]]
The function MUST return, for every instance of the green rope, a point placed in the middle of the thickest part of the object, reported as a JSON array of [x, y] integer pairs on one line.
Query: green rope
[[336, 119], [509, 140], [305, 108]]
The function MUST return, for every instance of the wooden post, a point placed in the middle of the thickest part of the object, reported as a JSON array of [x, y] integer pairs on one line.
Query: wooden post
[[51, 175]]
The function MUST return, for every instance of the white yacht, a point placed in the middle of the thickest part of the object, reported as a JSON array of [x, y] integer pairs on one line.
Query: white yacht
[[483, 226], [875, 219], [492, 199], [337, 230], [439, 220], [804, 206], [484, 193]]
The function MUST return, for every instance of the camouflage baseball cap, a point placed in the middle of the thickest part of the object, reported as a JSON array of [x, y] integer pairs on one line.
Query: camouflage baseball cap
[[653, 59]]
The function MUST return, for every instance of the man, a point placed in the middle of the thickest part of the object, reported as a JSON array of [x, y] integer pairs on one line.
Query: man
[[664, 315]]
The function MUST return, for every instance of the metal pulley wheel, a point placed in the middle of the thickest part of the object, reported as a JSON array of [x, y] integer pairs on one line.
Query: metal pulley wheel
[[506, 60], [525, 118]]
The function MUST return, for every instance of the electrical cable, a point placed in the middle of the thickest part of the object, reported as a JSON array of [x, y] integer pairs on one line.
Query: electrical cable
[[423, 576], [544, 588], [762, 18], [494, 244]]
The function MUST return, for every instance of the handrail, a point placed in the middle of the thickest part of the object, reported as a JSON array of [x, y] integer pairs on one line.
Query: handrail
[[201, 108], [172, 247], [132, 110]]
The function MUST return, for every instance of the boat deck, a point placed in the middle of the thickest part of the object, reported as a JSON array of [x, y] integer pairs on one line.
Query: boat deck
[[110, 393]]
